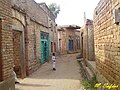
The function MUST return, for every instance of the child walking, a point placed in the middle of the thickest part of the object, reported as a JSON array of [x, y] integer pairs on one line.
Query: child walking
[[54, 61]]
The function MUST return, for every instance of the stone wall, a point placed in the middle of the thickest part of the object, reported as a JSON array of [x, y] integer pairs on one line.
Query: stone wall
[[6, 59], [107, 42]]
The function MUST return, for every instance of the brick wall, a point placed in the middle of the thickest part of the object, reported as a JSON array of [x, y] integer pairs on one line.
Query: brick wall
[[65, 33], [52, 26], [70, 33], [33, 46], [17, 52], [64, 42], [7, 45], [36, 12], [107, 41], [33, 10], [36, 20], [90, 44], [87, 42]]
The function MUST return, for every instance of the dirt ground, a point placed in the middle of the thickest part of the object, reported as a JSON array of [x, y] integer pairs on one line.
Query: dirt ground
[[66, 77]]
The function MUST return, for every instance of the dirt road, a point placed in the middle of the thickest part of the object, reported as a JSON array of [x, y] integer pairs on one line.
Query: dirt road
[[66, 77]]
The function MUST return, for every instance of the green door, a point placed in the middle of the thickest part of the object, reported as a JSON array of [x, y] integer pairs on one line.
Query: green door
[[42, 52], [44, 47]]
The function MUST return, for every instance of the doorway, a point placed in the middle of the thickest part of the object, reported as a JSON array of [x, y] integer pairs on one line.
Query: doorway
[[82, 44], [44, 51], [44, 47], [18, 53], [71, 45]]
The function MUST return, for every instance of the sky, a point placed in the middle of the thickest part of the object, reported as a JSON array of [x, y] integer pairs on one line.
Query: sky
[[72, 11]]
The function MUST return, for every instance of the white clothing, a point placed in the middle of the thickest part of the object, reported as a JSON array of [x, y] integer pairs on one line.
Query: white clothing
[[53, 58], [54, 64], [54, 61], [15, 76]]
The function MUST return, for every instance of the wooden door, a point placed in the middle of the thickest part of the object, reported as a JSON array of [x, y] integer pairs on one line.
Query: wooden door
[[71, 45]]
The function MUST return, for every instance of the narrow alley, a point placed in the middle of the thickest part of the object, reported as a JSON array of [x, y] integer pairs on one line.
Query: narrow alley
[[66, 77], [59, 45]]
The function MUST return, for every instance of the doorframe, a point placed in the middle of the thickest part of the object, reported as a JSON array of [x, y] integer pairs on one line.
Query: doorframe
[[22, 53], [1, 76], [43, 40], [71, 45], [48, 45]]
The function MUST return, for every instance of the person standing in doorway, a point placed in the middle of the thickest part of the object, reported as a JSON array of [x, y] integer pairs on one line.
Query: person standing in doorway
[[54, 61], [15, 76]]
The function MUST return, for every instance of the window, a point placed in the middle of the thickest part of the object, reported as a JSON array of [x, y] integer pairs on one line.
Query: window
[[0, 51]]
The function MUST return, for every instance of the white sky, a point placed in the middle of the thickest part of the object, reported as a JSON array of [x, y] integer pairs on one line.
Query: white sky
[[72, 11]]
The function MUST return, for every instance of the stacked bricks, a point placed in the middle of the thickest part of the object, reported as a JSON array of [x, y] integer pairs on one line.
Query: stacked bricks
[[107, 41], [6, 47], [7, 42], [17, 52], [36, 21], [64, 42], [65, 34], [33, 46]]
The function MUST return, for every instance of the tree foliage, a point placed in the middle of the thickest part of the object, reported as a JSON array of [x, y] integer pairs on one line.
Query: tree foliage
[[55, 9]]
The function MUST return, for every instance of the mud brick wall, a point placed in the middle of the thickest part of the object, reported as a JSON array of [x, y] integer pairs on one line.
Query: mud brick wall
[[36, 12], [64, 42], [33, 10], [53, 35], [7, 43], [33, 46], [107, 41], [84, 42], [17, 52], [52, 25], [87, 44], [70, 33], [36, 20], [91, 53]]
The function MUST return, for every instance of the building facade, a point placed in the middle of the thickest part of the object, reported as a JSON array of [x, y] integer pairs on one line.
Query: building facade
[[87, 41], [87, 48], [52, 28], [31, 35], [6, 46], [68, 39], [107, 41]]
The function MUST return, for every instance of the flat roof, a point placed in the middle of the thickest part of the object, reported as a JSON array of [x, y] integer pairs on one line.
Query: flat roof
[[70, 26]]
